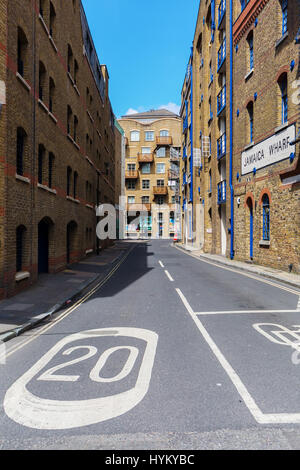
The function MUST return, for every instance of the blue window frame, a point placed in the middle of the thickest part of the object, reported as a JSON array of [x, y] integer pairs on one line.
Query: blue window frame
[[243, 4], [266, 217], [251, 52], [284, 7], [284, 99], [250, 112]]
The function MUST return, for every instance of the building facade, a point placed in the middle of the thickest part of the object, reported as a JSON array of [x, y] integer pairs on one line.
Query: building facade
[[57, 141], [153, 144], [240, 111], [120, 149]]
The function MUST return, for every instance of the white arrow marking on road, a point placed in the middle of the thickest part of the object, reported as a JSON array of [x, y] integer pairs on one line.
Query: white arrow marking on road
[[32, 411], [161, 264], [259, 416]]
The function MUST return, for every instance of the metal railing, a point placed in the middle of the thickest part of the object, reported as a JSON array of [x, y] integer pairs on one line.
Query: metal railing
[[221, 146], [221, 100], [222, 192], [221, 10], [222, 54]]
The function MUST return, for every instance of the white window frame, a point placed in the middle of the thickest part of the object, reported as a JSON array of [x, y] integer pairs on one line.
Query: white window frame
[[131, 185], [137, 132], [148, 165], [158, 150], [144, 181], [149, 132], [146, 150], [161, 165], [129, 199], [164, 133]]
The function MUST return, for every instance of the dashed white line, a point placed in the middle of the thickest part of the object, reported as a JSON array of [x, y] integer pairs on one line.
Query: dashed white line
[[298, 305], [169, 276], [259, 416], [162, 265]]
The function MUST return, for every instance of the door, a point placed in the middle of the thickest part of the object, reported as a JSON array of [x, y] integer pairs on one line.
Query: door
[[43, 247]]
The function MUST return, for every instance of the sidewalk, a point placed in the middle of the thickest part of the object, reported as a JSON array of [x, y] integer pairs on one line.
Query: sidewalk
[[52, 292], [291, 279]]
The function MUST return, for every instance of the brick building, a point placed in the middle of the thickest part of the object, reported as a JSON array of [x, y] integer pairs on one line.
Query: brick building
[[153, 143], [242, 77], [57, 143]]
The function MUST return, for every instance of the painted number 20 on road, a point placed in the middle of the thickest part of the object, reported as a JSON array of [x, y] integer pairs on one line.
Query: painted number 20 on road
[[32, 411]]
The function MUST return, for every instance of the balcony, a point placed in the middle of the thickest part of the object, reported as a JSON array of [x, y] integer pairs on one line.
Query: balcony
[[174, 155], [131, 174], [221, 55], [222, 192], [221, 146], [160, 190], [166, 140], [221, 11], [138, 207], [173, 174], [145, 158], [221, 100], [185, 124]]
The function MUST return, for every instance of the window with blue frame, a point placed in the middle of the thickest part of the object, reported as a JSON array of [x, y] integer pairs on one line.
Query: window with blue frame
[[284, 98], [284, 8], [243, 4], [266, 217], [251, 51], [250, 113]]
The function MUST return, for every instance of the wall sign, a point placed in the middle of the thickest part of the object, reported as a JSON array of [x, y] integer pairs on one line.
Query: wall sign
[[272, 150]]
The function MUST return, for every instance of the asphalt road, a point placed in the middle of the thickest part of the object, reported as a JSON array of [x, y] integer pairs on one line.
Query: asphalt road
[[171, 353]]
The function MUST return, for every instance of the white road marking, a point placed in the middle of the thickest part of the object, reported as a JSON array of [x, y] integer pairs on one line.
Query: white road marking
[[298, 305], [237, 271], [162, 265], [281, 334], [238, 312], [259, 416], [169, 276], [35, 412]]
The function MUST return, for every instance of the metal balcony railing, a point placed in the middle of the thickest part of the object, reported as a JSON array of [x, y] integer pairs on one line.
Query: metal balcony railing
[[165, 140], [222, 54], [145, 157], [222, 10], [221, 146], [222, 192], [131, 174], [221, 100], [160, 190]]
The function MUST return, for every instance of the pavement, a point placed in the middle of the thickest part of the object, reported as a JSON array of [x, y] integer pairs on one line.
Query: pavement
[[172, 352], [292, 279], [54, 291]]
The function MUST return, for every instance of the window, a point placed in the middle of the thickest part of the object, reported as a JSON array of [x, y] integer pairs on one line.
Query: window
[[250, 114], [160, 200], [41, 163], [69, 174], [131, 166], [146, 184], [243, 4], [42, 80], [160, 183], [76, 68], [145, 199], [149, 136], [282, 82], [75, 128], [69, 117], [21, 138], [131, 185], [164, 133], [51, 94], [52, 20], [131, 199], [22, 52], [160, 168], [134, 136], [173, 199], [50, 170], [75, 184], [251, 53], [146, 150], [20, 241], [42, 7], [266, 217], [70, 58], [161, 152], [146, 168], [284, 8]]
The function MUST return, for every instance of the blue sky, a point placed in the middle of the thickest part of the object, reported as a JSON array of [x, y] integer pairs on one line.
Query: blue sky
[[146, 46]]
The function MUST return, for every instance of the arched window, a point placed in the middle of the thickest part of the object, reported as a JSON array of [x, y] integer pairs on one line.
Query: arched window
[[282, 83], [250, 51], [70, 58], [21, 141], [69, 118], [52, 20], [20, 242], [266, 217], [75, 128], [164, 133], [22, 52], [250, 115], [134, 136]]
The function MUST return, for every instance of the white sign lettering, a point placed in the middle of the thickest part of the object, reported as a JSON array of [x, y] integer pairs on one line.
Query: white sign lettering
[[269, 151]]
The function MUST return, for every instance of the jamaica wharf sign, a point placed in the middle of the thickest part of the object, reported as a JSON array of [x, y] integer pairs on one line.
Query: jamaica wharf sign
[[269, 151]]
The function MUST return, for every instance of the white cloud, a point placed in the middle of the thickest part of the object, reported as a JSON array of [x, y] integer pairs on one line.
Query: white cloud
[[131, 111], [172, 107]]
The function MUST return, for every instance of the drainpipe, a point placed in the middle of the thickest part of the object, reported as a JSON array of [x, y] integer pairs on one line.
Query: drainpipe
[[231, 135], [192, 148]]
